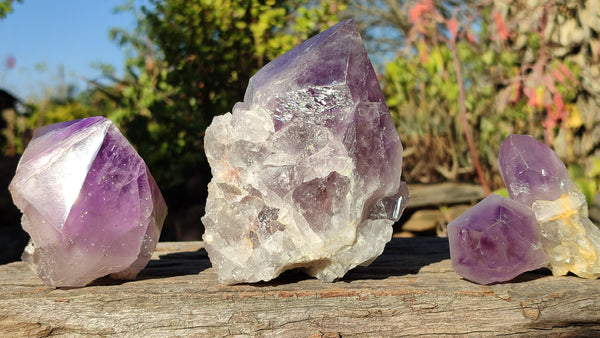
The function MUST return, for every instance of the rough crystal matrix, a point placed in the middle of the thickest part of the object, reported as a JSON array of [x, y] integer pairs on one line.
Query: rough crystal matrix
[[495, 241], [89, 203], [535, 176], [306, 171]]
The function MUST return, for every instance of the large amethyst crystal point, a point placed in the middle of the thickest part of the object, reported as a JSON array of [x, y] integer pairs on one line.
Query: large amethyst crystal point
[[535, 176], [89, 203], [495, 241], [306, 171]]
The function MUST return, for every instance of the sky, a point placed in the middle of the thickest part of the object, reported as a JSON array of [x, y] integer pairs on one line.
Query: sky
[[41, 36]]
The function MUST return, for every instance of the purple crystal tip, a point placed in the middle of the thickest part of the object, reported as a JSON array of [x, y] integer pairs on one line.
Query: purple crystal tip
[[495, 241], [531, 171], [89, 203]]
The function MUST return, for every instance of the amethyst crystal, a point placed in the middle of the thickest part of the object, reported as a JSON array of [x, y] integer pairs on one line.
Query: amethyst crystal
[[306, 171], [535, 176], [532, 171], [89, 203], [495, 241]]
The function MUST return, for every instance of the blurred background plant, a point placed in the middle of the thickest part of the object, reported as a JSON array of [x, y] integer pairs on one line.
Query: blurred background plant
[[520, 66], [527, 67], [191, 60], [6, 7]]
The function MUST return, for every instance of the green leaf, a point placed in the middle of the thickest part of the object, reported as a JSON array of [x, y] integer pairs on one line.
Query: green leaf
[[502, 192]]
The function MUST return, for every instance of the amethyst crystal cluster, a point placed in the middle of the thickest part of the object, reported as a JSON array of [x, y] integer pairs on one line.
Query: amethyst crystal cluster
[[306, 171], [544, 223], [535, 176], [89, 203]]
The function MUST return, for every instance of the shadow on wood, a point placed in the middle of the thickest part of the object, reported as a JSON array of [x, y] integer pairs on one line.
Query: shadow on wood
[[401, 258]]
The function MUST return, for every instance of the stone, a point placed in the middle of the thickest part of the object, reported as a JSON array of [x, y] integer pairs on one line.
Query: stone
[[535, 176], [306, 170], [89, 203], [495, 241]]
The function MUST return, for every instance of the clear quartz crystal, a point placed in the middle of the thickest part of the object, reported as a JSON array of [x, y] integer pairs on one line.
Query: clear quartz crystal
[[570, 239], [306, 171]]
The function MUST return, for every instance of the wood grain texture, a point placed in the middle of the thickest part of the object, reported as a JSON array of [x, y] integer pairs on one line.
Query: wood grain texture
[[446, 193], [410, 290]]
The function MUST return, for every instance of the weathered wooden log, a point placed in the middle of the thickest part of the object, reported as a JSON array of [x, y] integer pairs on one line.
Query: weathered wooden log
[[443, 194], [410, 290], [428, 220]]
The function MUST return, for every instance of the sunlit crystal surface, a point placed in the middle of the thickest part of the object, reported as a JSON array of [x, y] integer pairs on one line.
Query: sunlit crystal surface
[[535, 175], [495, 241], [306, 171], [89, 203], [532, 171]]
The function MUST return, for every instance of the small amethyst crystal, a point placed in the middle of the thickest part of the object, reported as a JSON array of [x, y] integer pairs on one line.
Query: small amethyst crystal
[[531, 171], [535, 176], [89, 203], [306, 171], [495, 241]]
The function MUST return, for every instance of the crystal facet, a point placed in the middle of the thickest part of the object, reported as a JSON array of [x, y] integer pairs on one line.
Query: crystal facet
[[531, 171], [89, 203], [306, 171], [535, 176], [495, 241]]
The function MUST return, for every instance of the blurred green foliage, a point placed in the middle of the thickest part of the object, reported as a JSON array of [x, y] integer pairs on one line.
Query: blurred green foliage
[[53, 108], [587, 178], [514, 82], [6, 7], [422, 93], [191, 60]]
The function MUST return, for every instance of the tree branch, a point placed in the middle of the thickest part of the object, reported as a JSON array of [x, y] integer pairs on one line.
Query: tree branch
[[463, 118]]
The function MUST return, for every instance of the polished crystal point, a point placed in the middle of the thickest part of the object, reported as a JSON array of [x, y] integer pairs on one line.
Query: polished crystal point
[[535, 176], [495, 241], [306, 171], [89, 203]]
